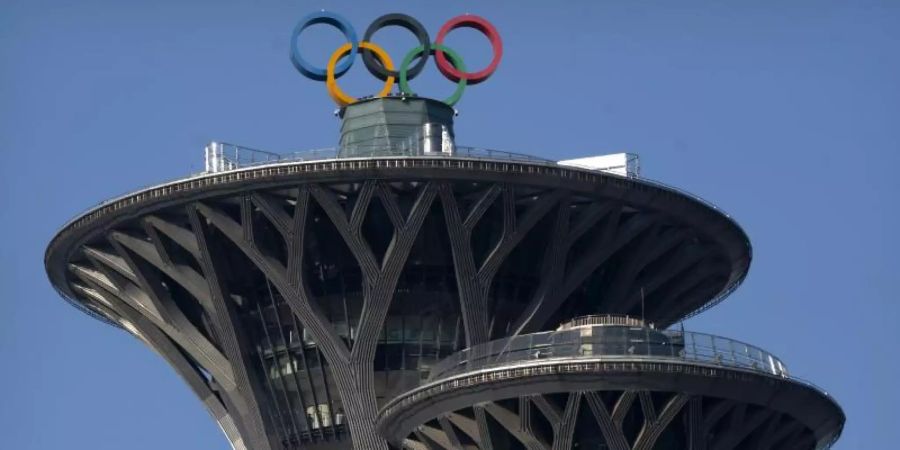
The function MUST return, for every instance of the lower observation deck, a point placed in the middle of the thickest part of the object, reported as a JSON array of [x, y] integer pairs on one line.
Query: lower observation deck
[[619, 387]]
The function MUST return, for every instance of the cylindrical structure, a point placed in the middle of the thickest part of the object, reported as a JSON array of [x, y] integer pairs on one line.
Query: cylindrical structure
[[393, 126], [214, 158]]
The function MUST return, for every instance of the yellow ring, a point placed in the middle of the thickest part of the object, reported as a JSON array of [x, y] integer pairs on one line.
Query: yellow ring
[[335, 92]]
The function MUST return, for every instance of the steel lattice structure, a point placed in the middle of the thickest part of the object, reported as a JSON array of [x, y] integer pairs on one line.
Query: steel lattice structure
[[304, 301]]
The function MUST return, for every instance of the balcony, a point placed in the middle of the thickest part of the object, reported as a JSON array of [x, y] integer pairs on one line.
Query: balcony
[[621, 340]]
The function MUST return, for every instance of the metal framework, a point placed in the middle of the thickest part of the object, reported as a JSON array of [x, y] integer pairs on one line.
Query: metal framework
[[657, 419], [300, 299], [621, 386]]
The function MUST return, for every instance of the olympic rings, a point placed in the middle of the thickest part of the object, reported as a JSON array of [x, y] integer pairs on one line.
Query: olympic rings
[[400, 20], [335, 92], [480, 24], [379, 64], [454, 57], [307, 69]]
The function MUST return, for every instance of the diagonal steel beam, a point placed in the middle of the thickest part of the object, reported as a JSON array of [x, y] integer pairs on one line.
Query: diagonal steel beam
[[186, 335], [158, 340], [655, 243], [181, 236], [612, 433], [309, 313], [655, 425], [186, 276], [563, 436], [234, 341], [473, 281], [512, 423], [272, 211], [740, 429]]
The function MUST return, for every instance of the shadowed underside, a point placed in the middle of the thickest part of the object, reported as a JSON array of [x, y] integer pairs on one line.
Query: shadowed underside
[[298, 299], [614, 420]]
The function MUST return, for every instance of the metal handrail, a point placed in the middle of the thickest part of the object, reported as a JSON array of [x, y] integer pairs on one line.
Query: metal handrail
[[534, 351], [604, 319], [595, 342], [239, 157]]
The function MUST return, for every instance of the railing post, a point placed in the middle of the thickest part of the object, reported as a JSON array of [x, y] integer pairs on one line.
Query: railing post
[[733, 355], [647, 341], [712, 346]]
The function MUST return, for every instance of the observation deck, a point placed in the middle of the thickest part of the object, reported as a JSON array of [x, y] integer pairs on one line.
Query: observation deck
[[534, 389], [229, 167]]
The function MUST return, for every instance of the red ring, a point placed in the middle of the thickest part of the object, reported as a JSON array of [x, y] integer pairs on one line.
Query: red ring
[[481, 24]]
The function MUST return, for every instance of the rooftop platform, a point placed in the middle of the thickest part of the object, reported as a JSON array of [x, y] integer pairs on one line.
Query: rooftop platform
[[234, 169]]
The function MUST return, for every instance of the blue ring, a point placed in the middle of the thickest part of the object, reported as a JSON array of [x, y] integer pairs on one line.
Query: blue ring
[[310, 71]]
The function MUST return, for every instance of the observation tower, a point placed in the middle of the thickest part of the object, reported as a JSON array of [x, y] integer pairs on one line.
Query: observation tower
[[403, 291]]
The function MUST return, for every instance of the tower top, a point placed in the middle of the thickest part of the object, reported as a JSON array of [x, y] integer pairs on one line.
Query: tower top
[[395, 126]]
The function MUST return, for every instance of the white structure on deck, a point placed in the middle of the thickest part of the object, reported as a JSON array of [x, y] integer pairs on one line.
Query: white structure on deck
[[624, 164]]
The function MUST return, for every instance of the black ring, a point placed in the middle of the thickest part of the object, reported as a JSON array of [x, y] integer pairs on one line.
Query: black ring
[[401, 20]]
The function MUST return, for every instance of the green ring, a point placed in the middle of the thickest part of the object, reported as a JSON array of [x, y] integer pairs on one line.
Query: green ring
[[455, 59]]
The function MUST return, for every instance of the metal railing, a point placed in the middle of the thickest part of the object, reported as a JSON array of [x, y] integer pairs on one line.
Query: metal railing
[[223, 157], [604, 319], [611, 343]]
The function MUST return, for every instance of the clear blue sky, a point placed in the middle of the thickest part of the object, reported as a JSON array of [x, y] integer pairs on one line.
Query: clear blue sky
[[787, 114]]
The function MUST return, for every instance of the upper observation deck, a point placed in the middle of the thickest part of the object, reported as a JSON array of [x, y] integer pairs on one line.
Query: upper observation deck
[[671, 249]]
